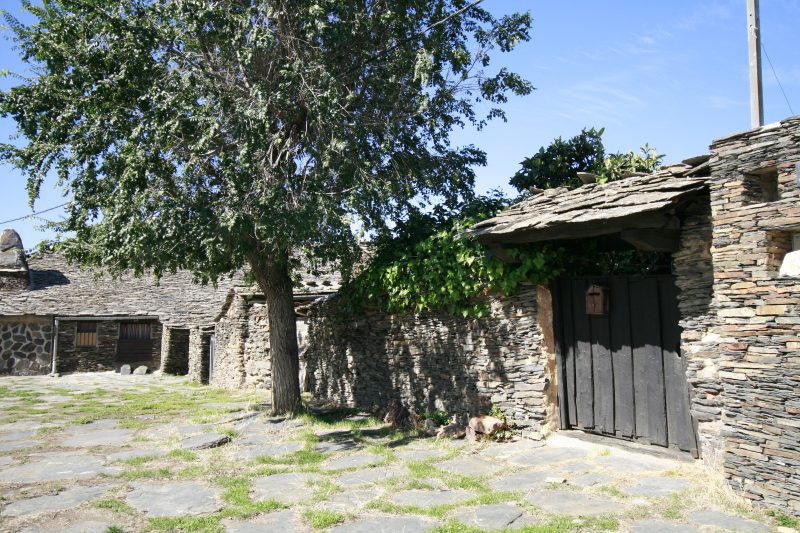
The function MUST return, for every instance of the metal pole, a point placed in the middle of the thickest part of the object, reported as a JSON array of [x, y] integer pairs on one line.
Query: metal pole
[[754, 46]]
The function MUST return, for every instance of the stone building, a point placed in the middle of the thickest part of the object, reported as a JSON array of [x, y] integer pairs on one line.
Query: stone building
[[55, 317], [239, 356], [703, 358]]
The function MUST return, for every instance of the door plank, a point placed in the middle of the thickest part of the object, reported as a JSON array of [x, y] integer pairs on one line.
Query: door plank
[[583, 357], [622, 359], [561, 367], [680, 426], [603, 374], [651, 416], [569, 351]]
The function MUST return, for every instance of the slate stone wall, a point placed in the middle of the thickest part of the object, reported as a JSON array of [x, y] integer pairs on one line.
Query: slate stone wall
[[102, 356], [758, 312], [694, 278], [434, 361], [241, 358], [26, 345], [175, 351], [199, 345]]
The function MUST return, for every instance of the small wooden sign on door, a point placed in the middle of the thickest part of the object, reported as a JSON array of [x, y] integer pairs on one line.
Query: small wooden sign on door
[[597, 300]]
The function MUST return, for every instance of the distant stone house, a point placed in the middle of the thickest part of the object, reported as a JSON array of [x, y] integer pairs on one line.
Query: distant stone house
[[56, 317], [703, 357], [239, 353]]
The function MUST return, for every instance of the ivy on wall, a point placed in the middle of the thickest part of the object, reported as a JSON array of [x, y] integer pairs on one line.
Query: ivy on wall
[[427, 264]]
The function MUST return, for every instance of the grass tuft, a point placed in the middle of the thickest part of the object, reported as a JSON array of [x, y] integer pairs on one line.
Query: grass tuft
[[322, 519], [114, 504]]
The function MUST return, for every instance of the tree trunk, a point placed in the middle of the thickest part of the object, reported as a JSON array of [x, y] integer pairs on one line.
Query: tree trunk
[[274, 279]]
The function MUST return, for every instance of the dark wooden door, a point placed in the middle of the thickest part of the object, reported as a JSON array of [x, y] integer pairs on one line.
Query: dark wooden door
[[621, 370]]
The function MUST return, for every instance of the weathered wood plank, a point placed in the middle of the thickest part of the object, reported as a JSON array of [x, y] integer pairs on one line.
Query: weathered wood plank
[[680, 426], [647, 361], [622, 359], [583, 357], [603, 373], [561, 365], [569, 351]]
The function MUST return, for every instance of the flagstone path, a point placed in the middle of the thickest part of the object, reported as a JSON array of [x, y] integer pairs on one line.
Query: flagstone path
[[109, 453]]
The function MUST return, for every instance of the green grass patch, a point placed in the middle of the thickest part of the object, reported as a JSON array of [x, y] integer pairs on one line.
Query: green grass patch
[[183, 455], [140, 460], [146, 473], [114, 529], [187, 524], [303, 458], [321, 519], [192, 472], [784, 520], [240, 505], [560, 524], [114, 504]]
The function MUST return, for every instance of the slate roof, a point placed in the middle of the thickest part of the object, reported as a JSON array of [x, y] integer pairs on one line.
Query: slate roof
[[62, 289], [592, 209]]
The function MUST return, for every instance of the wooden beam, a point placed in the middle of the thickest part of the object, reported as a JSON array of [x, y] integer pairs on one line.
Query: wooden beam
[[582, 230], [653, 240]]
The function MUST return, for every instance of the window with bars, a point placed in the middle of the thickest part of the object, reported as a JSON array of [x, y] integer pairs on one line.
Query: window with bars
[[86, 334], [134, 331]]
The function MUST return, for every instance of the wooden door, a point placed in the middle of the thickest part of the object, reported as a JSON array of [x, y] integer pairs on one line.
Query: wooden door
[[621, 369]]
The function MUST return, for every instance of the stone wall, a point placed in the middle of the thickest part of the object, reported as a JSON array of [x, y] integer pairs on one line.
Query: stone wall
[[434, 362], [26, 345], [241, 358], [175, 351], [758, 311], [102, 356], [199, 346], [694, 278]]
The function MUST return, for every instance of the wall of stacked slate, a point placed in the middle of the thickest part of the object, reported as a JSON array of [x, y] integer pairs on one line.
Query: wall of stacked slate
[[758, 313], [199, 346], [434, 362], [694, 278], [241, 357], [25, 345], [102, 356], [175, 351]]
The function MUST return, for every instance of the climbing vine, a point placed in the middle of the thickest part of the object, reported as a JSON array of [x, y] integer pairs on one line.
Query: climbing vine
[[429, 265]]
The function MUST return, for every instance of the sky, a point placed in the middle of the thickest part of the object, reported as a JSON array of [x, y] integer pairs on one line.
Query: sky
[[671, 74]]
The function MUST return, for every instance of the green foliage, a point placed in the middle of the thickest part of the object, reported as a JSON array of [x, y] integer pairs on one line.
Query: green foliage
[[428, 265], [784, 520], [205, 136], [558, 164], [616, 165], [441, 418]]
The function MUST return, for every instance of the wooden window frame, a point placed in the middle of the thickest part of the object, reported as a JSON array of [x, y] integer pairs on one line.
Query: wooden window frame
[[88, 337], [125, 329]]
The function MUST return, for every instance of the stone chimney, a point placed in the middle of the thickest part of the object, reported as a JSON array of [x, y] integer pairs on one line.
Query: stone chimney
[[13, 267]]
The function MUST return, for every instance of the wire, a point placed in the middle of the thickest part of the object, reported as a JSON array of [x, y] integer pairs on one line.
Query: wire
[[776, 77], [34, 214]]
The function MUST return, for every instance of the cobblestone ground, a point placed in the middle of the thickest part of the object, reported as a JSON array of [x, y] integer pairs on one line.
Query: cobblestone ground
[[110, 453]]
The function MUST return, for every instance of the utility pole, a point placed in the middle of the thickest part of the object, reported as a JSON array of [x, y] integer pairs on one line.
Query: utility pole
[[754, 46]]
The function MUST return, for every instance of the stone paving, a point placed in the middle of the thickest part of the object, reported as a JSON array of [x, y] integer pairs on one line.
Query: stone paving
[[110, 453]]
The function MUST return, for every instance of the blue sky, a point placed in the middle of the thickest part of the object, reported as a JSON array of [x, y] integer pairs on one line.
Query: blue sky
[[672, 74]]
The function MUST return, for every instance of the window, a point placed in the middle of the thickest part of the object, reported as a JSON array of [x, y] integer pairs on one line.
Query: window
[[761, 186], [86, 334], [134, 331]]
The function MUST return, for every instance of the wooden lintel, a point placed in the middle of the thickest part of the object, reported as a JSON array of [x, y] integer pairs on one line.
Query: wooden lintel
[[653, 240], [655, 220]]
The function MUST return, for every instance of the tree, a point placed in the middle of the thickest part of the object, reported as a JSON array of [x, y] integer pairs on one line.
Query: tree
[[558, 164], [211, 135]]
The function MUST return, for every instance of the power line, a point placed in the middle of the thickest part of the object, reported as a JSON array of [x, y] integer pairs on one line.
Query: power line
[[34, 214], [776, 77]]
